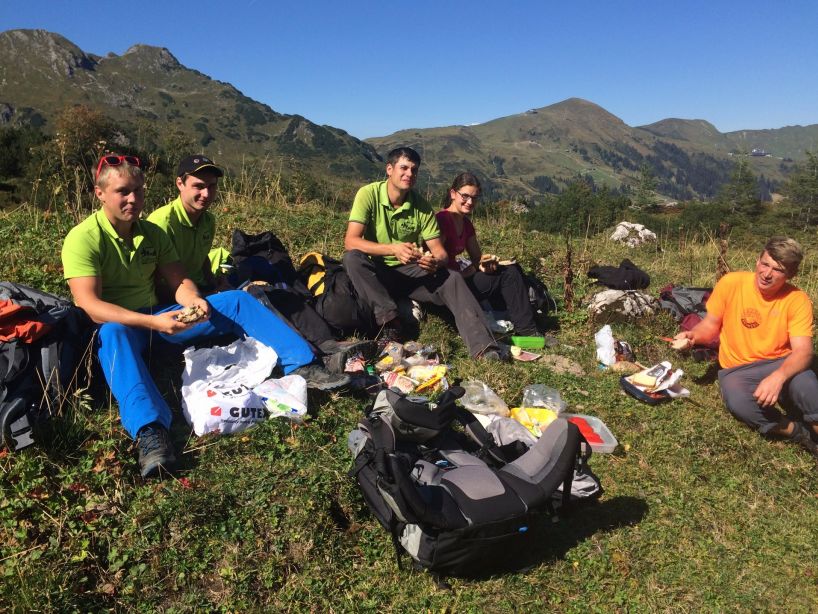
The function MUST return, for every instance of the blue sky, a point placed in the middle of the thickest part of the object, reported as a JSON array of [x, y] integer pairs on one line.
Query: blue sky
[[372, 68]]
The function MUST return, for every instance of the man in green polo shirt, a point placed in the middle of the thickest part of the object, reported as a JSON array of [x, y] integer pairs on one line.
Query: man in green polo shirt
[[387, 225], [188, 221], [110, 261], [191, 227]]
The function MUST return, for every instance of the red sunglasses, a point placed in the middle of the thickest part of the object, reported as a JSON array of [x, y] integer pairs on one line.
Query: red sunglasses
[[113, 160]]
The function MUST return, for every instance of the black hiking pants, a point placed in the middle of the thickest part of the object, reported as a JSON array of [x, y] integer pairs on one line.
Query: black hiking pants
[[378, 284], [506, 290]]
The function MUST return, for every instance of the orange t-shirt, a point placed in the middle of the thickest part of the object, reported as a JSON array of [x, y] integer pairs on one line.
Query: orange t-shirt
[[754, 328]]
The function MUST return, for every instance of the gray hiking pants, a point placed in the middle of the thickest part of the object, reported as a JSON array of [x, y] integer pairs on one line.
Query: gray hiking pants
[[377, 284], [799, 397]]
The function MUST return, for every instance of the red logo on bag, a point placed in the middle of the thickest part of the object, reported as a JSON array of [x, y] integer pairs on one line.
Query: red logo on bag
[[211, 393], [215, 411]]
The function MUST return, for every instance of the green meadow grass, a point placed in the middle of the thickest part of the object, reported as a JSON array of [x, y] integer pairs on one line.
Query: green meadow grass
[[699, 513]]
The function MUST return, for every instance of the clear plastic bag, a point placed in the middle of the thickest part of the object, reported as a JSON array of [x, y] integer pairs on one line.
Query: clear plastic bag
[[540, 395], [481, 399]]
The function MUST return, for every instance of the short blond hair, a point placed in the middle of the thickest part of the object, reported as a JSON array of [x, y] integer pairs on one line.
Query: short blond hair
[[786, 252], [124, 168]]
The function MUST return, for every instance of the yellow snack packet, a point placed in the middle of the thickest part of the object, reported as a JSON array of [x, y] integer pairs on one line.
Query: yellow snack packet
[[535, 419]]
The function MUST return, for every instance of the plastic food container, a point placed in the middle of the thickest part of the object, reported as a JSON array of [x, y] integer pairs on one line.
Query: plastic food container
[[609, 442], [651, 398], [528, 343]]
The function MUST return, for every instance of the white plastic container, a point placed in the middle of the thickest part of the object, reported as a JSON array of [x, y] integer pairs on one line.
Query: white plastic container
[[609, 442]]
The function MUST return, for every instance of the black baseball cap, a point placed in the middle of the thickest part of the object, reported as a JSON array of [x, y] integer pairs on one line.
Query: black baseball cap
[[193, 164]]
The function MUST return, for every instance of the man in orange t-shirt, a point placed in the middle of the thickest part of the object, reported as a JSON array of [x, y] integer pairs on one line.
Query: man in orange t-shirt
[[764, 327]]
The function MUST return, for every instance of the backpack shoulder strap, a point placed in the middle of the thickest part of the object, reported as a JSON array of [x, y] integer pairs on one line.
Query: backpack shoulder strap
[[16, 359], [478, 433]]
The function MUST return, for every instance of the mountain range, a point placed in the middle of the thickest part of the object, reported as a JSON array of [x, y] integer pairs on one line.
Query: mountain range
[[42, 73], [542, 149], [524, 155]]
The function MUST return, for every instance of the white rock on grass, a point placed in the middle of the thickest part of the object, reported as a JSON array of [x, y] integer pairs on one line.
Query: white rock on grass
[[632, 234], [621, 305]]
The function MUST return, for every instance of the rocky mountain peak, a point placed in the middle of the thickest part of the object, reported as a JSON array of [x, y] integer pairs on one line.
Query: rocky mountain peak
[[60, 56], [581, 108], [152, 58]]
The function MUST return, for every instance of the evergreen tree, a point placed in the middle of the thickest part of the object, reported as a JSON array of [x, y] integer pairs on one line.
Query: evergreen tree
[[578, 209], [645, 197], [740, 194], [802, 191]]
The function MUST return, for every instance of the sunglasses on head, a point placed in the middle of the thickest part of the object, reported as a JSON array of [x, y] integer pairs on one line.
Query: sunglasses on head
[[113, 160]]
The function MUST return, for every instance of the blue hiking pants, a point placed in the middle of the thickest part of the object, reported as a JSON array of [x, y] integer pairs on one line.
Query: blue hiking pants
[[120, 349]]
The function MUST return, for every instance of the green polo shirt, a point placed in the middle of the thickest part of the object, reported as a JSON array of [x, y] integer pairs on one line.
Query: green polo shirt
[[410, 223], [92, 248], [192, 243]]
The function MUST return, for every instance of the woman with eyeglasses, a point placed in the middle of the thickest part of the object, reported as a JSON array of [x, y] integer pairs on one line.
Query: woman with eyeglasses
[[503, 286]]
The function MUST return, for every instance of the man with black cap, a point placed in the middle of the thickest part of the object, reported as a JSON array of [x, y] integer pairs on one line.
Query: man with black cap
[[191, 227], [188, 221]]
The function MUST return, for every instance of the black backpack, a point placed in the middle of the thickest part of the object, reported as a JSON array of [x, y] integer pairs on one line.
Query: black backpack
[[335, 298], [44, 340], [262, 257], [454, 500], [538, 295]]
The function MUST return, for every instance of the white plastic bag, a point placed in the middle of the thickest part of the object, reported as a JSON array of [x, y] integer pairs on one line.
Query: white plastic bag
[[508, 430], [497, 326], [481, 399], [285, 397], [218, 382], [245, 361], [605, 352]]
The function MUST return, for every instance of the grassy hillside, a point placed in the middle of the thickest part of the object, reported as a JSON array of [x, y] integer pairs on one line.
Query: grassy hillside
[[699, 513], [526, 155], [148, 93], [787, 142]]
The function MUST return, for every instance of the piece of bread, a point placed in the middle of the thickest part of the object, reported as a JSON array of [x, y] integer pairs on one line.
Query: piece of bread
[[643, 379], [681, 344], [190, 315]]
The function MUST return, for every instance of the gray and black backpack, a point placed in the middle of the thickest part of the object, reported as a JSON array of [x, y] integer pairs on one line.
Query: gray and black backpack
[[43, 338], [452, 498]]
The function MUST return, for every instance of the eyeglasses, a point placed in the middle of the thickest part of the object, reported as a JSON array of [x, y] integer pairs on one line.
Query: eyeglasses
[[114, 160], [466, 197]]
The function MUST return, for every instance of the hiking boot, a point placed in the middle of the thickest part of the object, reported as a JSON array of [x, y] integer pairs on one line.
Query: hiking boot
[[802, 436], [491, 356], [318, 378], [155, 450], [496, 353], [336, 361]]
